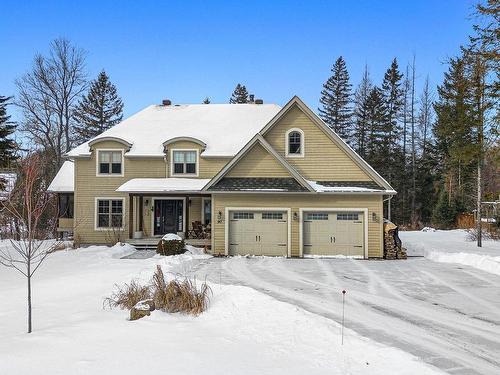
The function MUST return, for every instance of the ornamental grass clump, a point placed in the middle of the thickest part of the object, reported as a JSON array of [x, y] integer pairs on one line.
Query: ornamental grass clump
[[126, 296], [179, 296], [173, 297]]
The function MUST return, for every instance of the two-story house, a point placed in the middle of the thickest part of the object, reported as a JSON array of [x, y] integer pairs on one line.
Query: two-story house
[[240, 178]]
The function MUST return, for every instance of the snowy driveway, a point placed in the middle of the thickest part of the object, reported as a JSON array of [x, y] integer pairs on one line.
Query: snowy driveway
[[449, 315]]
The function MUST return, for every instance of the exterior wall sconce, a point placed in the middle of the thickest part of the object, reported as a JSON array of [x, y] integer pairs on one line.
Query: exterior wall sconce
[[146, 202], [219, 217], [374, 216], [295, 216]]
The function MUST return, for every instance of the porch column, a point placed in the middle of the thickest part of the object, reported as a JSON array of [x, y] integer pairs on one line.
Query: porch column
[[131, 217], [186, 219], [141, 213]]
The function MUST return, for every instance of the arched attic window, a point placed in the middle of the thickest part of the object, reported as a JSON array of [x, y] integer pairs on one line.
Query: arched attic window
[[295, 143]]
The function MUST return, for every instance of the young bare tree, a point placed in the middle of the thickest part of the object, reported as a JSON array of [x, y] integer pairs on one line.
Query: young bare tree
[[47, 95], [29, 205]]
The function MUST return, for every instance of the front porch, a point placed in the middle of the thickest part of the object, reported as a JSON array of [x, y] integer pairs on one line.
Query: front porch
[[152, 216]]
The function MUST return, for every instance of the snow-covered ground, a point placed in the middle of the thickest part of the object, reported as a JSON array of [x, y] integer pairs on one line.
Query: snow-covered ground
[[243, 332], [452, 246]]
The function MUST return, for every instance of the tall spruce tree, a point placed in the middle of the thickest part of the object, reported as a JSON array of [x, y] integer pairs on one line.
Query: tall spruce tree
[[377, 119], [239, 95], [453, 131], [335, 100], [360, 126], [100, 109], [8, 146], [391, 90]]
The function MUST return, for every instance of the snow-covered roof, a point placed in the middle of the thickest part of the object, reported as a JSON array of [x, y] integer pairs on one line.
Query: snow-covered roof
[[319, 188], [9, 180], [160, 185], [224, 128], [64, 182]]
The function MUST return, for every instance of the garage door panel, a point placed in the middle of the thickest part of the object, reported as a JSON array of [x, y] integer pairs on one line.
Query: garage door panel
[[333, 233], [261, 233]]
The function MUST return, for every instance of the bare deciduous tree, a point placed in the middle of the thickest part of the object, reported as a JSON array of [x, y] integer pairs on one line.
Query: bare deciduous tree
[[48, 94], [28, 205]]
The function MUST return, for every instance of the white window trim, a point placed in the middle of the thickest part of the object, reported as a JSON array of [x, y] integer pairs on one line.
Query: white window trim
[[275, 209], [341, 209], [96, 213], [153, 199], [302, 144], [172, 174], [203, 199], [109, 174]]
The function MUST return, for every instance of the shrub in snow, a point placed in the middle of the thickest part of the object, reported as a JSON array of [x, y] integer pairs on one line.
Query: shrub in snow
[[128, 295], [171, 247], [176, 296]]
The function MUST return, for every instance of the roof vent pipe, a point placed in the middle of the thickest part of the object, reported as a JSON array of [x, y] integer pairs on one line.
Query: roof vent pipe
[[166, 102], [259, 101]]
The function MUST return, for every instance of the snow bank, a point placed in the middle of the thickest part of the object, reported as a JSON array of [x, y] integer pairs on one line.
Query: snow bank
[[243, 332], [451, 246]]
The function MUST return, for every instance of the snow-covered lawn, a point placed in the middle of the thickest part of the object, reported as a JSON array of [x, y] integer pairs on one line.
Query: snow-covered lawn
[[243, 332], [451, 246]]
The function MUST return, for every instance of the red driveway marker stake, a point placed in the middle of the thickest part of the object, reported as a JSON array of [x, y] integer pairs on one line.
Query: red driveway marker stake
[[343, 309]]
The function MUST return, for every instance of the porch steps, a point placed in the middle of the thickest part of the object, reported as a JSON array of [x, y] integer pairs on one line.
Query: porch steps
[[152, 243]]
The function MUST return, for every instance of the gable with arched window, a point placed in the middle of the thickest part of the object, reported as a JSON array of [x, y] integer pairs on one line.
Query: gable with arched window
[[294, 143]]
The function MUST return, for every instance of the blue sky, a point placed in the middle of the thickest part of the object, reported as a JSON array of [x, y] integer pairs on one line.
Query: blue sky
[[187, 50]]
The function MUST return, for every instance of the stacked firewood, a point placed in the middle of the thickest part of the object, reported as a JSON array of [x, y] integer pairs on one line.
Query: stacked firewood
[[392, 244]]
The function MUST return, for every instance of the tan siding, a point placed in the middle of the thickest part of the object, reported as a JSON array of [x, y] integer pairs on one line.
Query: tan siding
[[294, 202], [323, 159], [88, 186], [208, 167], [258, 163]]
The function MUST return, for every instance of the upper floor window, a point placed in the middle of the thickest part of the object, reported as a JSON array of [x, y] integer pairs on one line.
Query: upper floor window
[[295, 142], [110, 162], [184, 162]]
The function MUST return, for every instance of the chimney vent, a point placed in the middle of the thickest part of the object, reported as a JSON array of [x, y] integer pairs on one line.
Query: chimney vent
[[259, 101], [166, 102], [252, 97]]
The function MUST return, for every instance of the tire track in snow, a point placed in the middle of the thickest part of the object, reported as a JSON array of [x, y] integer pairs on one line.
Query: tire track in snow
[[413, 335]]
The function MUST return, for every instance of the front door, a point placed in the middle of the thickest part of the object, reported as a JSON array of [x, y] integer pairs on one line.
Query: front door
[[168, 216]]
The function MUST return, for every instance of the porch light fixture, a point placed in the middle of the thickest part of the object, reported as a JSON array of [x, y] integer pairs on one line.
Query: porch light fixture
[[146, 202], [219, 217], [374, 216], [295, 216]]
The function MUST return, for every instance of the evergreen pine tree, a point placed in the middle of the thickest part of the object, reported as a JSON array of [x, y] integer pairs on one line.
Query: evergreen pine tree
[[206, 100], [99, 110], [393, 99], [8, 146], [336, 110], [239, 95], [360, 128], [453, 130], [377, 118]]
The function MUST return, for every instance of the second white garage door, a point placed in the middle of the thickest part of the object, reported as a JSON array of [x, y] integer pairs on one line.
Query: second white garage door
[[333, 233], [258, 233]]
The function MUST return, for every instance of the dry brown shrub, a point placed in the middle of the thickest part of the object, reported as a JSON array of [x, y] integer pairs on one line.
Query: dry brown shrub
[[126, 296], [176, 296]]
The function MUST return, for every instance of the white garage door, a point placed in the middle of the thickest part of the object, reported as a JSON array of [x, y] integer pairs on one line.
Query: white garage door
[[258, 233], [333, 233]]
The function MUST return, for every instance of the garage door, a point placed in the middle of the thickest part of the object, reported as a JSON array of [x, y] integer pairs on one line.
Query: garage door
[[258, 233], [333, 233]]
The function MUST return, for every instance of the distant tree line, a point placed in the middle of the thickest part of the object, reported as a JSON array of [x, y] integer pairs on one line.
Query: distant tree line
[[441, 153]]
